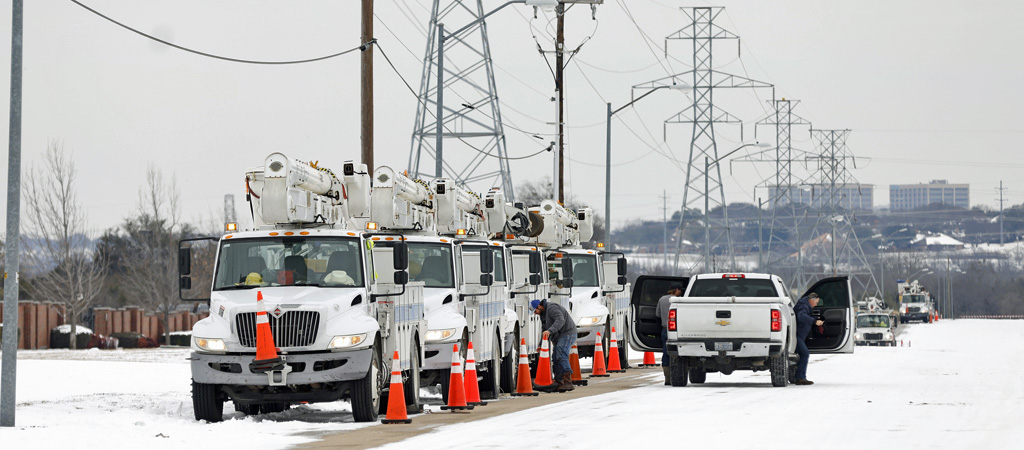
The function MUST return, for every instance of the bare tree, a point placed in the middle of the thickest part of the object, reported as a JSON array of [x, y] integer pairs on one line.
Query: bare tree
[[150, 259], [69, 271]]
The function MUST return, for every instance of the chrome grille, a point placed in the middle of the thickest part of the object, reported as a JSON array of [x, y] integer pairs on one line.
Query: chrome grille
[[292, 329], [913, 309]]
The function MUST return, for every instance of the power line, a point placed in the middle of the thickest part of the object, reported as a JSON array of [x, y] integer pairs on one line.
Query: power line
[[364, 46]]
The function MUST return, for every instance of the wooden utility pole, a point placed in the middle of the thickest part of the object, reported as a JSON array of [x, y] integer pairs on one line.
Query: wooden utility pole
[[366, 86], [560, 87]]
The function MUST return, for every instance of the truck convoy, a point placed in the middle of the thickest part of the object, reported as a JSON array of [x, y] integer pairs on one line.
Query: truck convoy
[[352, 269], [915, 302], [737, 321]]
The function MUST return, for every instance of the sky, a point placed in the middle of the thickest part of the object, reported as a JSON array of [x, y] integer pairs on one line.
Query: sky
[[928, 88]]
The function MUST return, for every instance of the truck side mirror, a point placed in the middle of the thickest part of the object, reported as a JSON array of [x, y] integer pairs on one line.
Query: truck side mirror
[[622, 268], [622, 281], [567, 283], [536, 265], [534, 279], [401, 257], [184, 261], [185, 283], [486, 279], [401, 277], [486, 263], [566, 267]]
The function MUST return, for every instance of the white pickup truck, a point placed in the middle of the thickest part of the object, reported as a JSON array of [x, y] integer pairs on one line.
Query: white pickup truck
[[743, 321]]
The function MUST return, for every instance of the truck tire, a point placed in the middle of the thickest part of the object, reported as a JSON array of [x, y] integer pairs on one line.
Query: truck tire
[[678, 371], [792, 373], [412, 383], [490, 388], [510, 367], [367, 391], [249, 409], [780, 368], [206, 402], [698, 375]]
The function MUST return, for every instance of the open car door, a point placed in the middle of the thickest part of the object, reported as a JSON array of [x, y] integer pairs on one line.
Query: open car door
[[837, 311], [645, 334]]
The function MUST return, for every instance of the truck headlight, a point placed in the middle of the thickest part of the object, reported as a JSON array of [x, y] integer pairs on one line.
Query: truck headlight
[[858, 337], [588, 321], [440, 335], [351, 340], [210, 345]]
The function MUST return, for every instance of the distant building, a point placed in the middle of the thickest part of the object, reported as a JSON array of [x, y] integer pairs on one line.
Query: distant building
[[903, 197], [935, 241], [851, 196]]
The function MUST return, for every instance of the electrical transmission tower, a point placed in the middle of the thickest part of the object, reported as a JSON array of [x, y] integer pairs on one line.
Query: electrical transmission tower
[[474, 139], [702, 32], [834, 225]]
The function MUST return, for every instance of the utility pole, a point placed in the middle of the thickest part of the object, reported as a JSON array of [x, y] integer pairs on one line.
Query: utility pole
[[760, 241], [366, 86], [560, 88], [664, 227], [13, 246], [1001, 189]]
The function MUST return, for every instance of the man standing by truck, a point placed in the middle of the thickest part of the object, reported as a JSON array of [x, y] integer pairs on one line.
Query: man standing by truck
[[559, 329], [674, 290], [804, 319]]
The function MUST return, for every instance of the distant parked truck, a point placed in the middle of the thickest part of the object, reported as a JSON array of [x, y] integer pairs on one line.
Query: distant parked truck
[[915, 302]]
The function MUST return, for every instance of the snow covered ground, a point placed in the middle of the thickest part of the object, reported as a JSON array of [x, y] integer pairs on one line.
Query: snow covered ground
[[958, 385]]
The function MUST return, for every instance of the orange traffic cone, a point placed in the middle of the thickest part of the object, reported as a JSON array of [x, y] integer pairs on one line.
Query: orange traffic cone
[[574, 362], [544, 366], [649, 360], [613, 356], [266, 353], [396, 397], [598, 369], [472, 386], [456, 386], [524, 387]]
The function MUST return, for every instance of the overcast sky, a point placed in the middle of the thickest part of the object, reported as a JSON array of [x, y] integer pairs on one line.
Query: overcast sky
[[930, 89]]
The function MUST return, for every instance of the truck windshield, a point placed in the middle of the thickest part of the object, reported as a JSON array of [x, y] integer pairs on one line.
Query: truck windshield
[[732, 287], [289, 261], [499, 260], [431, 264], [584, 270], [913, 298], [872, 321]]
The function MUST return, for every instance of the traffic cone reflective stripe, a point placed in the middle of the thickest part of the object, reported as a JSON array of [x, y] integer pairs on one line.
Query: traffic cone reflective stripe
[[544, 366], [524, 386], [598, 370], [613, 356], [472, 386], [649, 360], [574, 362], [396, 396], [456, 385], [266, 359]]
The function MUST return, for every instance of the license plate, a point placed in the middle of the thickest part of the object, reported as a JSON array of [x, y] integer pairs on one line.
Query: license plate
[[723, 346]]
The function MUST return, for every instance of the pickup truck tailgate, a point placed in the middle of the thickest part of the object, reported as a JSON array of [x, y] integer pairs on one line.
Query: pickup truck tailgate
[[718, 320]]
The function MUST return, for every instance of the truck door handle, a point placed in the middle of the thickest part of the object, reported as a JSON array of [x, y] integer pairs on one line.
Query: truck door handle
[[723, 314]]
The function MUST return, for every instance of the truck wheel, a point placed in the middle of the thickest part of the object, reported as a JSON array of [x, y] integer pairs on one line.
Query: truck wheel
[[206, 402], [366, 392], [780, 368], [698, 375], [412, 383], [249, 409], [792, 373], [510, 367], [490, 389], [678, 371]]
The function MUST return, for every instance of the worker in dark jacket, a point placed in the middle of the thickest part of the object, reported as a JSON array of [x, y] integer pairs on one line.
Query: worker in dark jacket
[[804, 319], [560, 330]]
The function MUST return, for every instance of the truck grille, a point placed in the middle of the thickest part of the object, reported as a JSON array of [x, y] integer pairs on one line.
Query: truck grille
[[292, 329], [873, 336], [913, 309]]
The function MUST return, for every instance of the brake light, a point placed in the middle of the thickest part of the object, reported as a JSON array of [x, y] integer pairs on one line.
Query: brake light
[[672, 320], [733, 275], [776, 320]]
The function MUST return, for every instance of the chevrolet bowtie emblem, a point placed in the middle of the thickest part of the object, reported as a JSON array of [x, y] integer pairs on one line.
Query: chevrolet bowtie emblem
[[722, 322]]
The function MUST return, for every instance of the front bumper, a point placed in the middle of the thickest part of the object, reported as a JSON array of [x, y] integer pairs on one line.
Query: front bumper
[[307, 368], [587, 336], [923, 316], [706, 349], [438, 356]]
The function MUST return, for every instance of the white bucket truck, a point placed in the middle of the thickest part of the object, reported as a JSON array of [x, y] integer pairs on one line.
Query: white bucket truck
[[338, 305], [593, 289]]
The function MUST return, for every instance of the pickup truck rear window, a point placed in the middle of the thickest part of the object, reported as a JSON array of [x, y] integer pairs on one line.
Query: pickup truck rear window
[[729, 287]]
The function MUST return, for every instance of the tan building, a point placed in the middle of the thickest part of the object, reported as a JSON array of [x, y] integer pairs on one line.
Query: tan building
[[903, 197]]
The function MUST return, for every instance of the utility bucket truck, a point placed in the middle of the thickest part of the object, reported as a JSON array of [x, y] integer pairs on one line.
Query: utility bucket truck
[[465, 274], [593, 287], [915, 302], [338, 304]]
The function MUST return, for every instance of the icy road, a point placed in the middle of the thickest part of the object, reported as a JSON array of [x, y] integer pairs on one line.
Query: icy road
[[957, 385]]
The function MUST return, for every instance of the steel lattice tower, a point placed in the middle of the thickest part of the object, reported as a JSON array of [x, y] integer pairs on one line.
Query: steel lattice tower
[[474, 146], [703, 115], [846, 255]]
